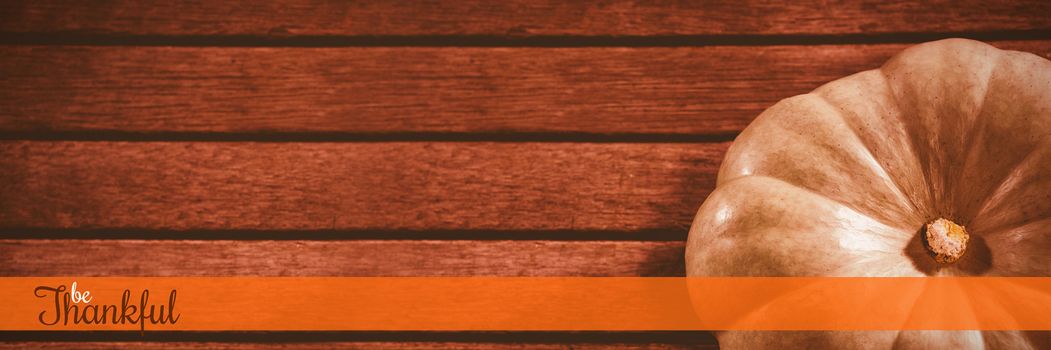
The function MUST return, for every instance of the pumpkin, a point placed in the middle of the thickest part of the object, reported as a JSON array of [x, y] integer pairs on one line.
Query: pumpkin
[[936, 164]]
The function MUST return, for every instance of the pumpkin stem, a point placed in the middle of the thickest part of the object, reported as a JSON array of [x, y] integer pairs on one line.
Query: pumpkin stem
[[946, 240]]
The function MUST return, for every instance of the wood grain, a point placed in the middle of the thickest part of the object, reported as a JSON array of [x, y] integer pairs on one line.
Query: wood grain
[[665, 91], [366, 340], [401, 258], [703, 342], [411, 93], [519, 17], [354, 186]]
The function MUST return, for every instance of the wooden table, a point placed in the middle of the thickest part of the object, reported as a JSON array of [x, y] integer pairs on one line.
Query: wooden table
[[367, 138]]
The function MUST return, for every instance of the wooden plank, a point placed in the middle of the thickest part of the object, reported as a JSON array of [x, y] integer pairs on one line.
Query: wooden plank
[[366, 340], [354, 186], [676, 91], [519, 17], [73, 257], [703, 342]]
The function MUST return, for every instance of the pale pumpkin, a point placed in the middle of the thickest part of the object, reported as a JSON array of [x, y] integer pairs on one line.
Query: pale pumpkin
[[843, 181]]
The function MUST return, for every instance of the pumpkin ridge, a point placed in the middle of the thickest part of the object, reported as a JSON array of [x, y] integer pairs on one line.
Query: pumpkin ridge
[[1003, 208], [919, 78], [1015, 70], [898, 333], [715, 238], [830, 199], [850, 159], [974, 129], [1005, 183], [881, 172], [985, 335], [1001, 230], [1030, 238], [901, 267], [781, 182], [911, 144]]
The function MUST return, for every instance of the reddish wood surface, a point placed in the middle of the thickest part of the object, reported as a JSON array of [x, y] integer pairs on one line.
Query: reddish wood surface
[[678, 91], [68, 257], [703, 342], [520, 17], [74, 192], [355, 186]]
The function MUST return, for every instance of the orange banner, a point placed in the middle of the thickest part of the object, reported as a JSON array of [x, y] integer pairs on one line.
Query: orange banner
[[516, 304]]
